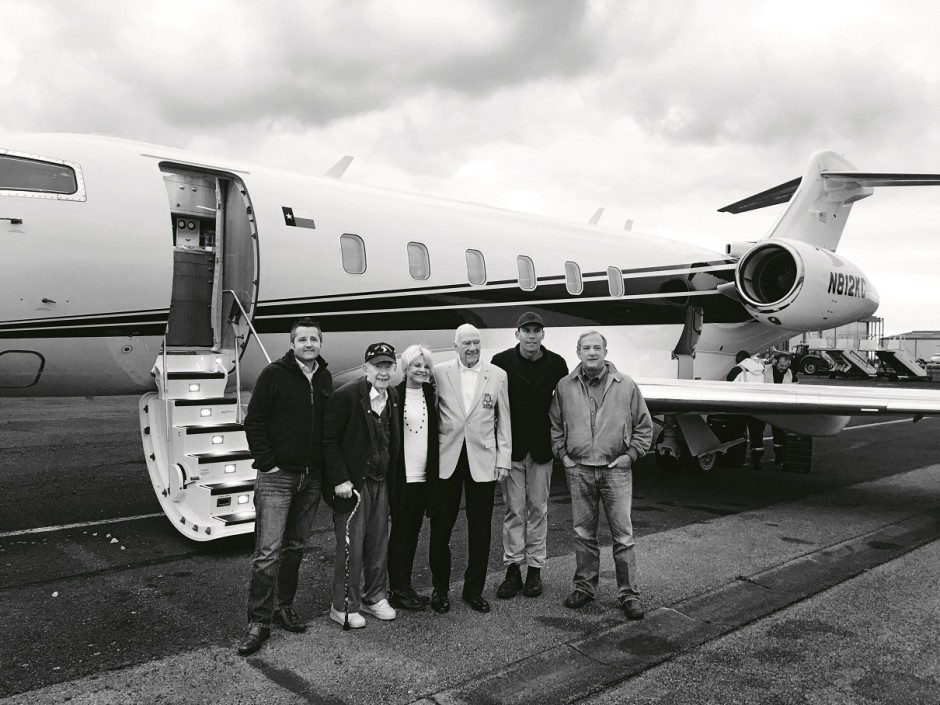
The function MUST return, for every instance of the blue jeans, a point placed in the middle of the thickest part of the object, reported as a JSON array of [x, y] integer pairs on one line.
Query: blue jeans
[[590, 487], [285, 505]]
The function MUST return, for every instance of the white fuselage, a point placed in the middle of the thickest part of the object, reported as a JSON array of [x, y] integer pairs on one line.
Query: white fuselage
[[87, 281]]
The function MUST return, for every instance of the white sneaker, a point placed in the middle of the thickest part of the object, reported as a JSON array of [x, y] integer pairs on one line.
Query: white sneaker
[[380, 610], [356, 620]]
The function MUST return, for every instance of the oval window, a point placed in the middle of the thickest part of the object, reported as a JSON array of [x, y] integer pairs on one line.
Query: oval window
[[419, 262], [354, 253], [476, 267], [573, 278], [526, 266]]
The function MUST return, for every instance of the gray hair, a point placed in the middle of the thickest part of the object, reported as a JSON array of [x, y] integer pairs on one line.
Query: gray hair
[[412, 353], [463, 329], [586, 333]]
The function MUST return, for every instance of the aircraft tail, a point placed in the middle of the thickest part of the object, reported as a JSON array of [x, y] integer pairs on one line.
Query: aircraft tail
[[821, 200]]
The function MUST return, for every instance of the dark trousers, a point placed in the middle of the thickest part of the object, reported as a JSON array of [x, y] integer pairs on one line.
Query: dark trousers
[[780, 444], [755, 434], [479, 511], [403, 541]]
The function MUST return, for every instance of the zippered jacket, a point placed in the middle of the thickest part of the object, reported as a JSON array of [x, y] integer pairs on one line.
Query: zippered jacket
[[621, 425], [284, 423]]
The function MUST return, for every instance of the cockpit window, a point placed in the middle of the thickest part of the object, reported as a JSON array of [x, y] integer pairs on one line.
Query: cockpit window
[[40, 178], [18, 174]]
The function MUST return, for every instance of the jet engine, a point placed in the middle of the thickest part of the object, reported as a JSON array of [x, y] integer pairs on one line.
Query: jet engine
[[798, 286]]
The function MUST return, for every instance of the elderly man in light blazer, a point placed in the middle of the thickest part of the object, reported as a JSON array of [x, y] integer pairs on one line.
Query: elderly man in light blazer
[[476, 450]]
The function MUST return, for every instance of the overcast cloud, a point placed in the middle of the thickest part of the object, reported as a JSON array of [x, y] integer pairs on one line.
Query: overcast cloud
[[660, 111]]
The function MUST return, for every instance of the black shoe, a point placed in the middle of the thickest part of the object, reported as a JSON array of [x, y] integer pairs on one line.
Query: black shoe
[[478, 603], [577, 600], [253, 640], [755, 461], [289, 620], [440, 603], [400, 599], [632, 609], [415, 595], [533, 582], [511, 586]]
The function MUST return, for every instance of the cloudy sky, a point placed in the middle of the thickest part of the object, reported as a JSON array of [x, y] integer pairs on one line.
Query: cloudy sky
[[660, 112]]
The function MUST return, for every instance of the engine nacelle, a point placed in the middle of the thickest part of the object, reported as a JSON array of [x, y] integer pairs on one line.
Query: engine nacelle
[[798, 286]]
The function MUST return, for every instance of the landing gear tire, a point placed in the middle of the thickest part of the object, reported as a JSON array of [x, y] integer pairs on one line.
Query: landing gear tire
[[705, 464]]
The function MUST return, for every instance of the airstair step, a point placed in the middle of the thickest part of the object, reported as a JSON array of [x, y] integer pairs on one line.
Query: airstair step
[[239, 518], [221, 457], [217, 488], [217, 428], [195, 375], [218, 401]]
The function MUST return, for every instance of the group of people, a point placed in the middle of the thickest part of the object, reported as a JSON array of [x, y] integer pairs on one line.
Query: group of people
[[385, 457], [751, 370]]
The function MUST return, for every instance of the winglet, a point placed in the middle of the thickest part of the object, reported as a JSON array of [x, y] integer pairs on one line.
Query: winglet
[[596, 218], [337, 170]]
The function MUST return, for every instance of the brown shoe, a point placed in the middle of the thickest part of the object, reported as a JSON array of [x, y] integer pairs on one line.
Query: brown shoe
[[289, 620], [632, 609], [577, 599], [253, 640]]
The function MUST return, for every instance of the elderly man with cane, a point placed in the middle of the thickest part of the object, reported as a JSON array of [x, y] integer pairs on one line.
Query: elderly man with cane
[[360, 451]]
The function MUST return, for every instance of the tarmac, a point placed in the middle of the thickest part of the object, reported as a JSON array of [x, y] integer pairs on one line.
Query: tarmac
[[827, 599]]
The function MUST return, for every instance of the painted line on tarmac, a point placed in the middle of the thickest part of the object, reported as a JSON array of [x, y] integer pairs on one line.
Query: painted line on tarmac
[[79, 525]]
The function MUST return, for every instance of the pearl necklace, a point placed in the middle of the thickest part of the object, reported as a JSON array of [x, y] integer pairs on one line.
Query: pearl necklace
[[424, 415]]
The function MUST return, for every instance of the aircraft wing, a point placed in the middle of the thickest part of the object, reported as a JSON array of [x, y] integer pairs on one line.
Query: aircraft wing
[[678, 396]]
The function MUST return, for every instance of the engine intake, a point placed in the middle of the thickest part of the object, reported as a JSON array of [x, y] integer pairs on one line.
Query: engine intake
[[796, 285]]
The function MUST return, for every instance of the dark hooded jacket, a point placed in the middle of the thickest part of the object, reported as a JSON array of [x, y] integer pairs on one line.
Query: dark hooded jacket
[[284, 423]]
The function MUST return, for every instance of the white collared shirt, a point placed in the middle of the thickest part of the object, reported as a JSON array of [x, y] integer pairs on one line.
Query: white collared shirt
[[303, 368], [469, 379], [378, 400]]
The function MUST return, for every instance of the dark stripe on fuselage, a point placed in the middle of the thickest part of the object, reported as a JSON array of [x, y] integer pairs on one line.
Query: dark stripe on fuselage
[[428, 308]]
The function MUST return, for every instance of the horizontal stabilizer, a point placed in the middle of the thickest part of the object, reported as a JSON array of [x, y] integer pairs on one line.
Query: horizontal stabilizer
[[771, 197], [834, 180]]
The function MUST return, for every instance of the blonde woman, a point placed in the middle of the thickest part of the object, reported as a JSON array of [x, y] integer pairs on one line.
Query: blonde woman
[[412, 492]]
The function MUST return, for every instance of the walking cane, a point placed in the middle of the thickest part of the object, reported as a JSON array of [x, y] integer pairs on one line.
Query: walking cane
[[346, 626]]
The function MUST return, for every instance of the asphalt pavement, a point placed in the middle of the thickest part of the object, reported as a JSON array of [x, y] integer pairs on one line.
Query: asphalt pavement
[[761, 587]]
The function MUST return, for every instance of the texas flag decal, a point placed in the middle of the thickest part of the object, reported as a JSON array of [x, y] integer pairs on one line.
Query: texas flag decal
[[297, 218]]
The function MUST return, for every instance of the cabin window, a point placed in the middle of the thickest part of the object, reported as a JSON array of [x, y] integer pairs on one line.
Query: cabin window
[[419, 262], [35, 176], [476, 267], [354, 253], [573, 278], [527, 281], [615, 281]]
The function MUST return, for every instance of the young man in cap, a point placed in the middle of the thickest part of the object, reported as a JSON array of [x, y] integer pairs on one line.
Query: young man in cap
[[533, 371], [360, 450]]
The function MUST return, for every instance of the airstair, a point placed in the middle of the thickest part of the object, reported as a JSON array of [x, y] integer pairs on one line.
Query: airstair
[[898, 363], [854, 362], [194, 442]]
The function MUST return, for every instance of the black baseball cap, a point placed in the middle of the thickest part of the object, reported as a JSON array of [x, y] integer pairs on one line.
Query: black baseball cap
[[528, 318], [380, 352]]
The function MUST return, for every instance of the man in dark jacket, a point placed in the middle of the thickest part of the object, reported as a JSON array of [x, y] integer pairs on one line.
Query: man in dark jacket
[[360, 449], [284, 430], [533, 371]]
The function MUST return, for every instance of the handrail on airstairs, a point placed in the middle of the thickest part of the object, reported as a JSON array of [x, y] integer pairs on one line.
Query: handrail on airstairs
[[251, 328]]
